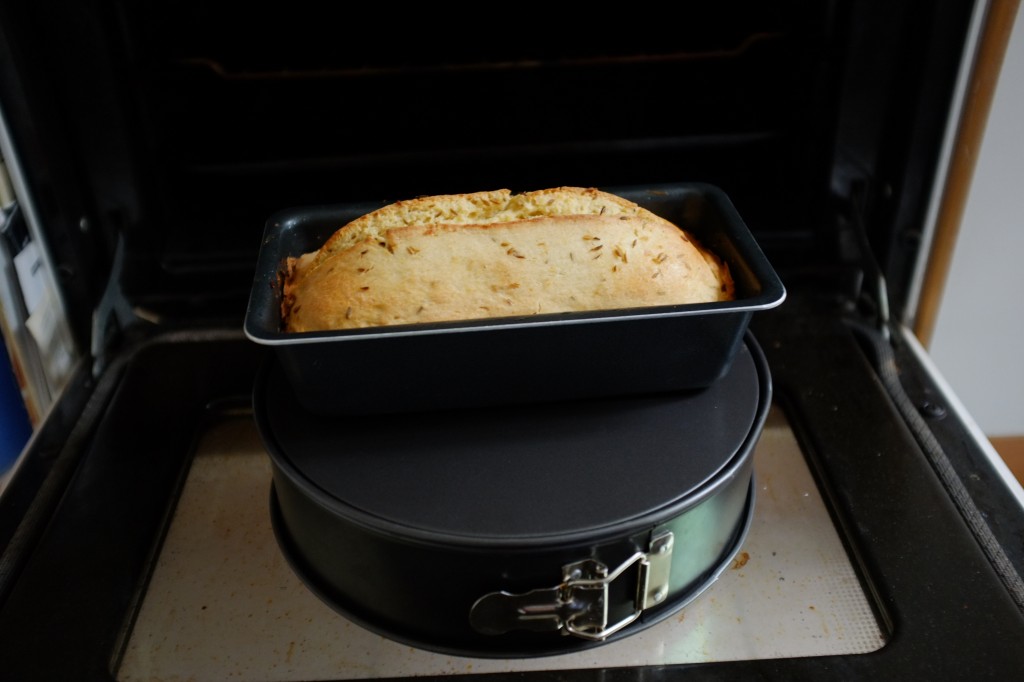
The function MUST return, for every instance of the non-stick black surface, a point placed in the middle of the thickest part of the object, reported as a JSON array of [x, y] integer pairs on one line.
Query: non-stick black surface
[[528, 471]]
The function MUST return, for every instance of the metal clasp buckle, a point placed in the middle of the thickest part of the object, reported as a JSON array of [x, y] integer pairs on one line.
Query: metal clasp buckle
[[578, 606]]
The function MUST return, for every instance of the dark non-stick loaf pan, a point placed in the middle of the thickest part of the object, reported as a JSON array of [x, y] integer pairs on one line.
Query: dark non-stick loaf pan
[[515, 360]]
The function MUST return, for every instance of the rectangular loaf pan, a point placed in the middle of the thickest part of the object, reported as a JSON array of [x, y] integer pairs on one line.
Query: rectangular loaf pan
[[510, 360]]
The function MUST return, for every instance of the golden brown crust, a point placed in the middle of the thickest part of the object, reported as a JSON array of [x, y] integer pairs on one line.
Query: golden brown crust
[[493, 206], [620, 256]]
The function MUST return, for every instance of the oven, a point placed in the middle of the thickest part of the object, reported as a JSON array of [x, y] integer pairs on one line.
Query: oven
[[150, 144]]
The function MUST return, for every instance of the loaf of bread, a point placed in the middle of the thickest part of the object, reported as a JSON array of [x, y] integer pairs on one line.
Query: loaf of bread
[[494, 254]]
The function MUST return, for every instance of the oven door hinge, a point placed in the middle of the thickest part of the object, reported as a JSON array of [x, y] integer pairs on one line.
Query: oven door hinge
[[579, 605]]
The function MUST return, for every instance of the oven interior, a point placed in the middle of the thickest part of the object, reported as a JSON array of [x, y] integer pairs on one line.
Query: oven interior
[[157, 138], [178, 127]]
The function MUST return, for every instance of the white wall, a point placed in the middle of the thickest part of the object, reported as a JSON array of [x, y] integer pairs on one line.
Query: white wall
[[978, 341]]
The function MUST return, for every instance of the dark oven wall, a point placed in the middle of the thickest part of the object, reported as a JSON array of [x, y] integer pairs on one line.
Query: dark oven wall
[[188, 124]]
